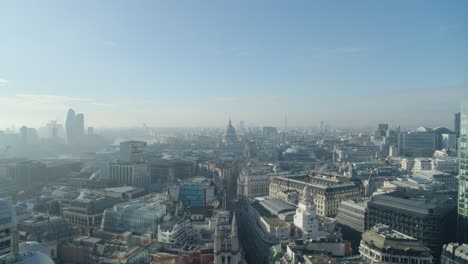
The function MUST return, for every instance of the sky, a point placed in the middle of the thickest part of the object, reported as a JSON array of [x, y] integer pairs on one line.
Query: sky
[[196, 63]]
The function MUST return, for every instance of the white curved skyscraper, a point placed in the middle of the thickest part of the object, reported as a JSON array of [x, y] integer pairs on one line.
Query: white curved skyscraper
[[70, 126], [75, 127]]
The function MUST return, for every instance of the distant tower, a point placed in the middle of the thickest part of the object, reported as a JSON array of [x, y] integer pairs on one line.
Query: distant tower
[[54, 130], [79, 126], [70, 126], [24, 134], [242, 127], [321, 126], [230, 135], [457, 124]]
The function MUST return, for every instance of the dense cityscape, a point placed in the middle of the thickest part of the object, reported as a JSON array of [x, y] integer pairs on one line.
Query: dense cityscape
[[233, 132], [244, 194]]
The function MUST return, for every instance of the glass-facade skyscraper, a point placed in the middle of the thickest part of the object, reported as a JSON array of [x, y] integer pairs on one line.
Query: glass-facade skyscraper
[[463, 181]]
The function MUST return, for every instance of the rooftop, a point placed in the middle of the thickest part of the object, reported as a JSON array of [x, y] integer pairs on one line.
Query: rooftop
[[423, 202], [391, 241], [276, 207]]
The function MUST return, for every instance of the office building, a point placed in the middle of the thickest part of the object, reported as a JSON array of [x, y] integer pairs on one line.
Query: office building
[[327, 190], [463, 178], [79, 126], [197, 191], [352, 214], [44, 228], [137, 216], [424, 215], [381, 244], [87, 209], [457, 124], [252, 186], [270, 132], [254, 181], [419, 143], [8, 246], [382, 130], [454, 253], [74, 126], [175, 231], [131, 151], [421, 164], [136, 174], [356, 153], [448, 141]]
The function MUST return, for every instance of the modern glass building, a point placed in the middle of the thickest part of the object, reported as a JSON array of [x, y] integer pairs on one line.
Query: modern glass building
[[420, 143], [192, 194], [137, 216], [7, 223], [463, 180]]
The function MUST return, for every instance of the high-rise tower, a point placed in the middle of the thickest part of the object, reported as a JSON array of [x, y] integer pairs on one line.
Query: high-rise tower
[[79, 126], [457, 124], [8, 243], [463, 177], [70, 126]]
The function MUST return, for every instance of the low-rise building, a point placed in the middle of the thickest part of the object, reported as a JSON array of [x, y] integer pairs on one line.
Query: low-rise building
[[381, 244], [87, 209], [176, 230], [454, 253], [137, 216], [421, 164]]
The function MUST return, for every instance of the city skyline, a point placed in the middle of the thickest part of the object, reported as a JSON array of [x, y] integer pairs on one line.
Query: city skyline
[[168, 64]]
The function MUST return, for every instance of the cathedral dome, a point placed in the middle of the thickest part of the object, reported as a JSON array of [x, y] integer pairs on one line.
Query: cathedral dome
[[230, 135]]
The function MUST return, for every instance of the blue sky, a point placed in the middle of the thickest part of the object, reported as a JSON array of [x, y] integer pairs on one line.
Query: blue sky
[[195, 63]]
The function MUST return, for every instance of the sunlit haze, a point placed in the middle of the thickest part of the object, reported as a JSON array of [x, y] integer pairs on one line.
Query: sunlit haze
[[197, 63]]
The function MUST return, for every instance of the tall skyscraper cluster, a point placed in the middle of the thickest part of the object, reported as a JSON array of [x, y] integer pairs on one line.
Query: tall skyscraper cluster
[[74, 126]]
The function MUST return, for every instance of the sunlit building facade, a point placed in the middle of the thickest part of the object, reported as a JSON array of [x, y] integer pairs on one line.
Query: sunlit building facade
[[463, 180]]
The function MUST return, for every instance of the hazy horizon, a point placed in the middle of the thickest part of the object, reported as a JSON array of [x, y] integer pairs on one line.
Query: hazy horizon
[[195, 64]]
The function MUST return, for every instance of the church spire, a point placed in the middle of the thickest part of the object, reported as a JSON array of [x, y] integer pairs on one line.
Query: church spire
[[234, 225]]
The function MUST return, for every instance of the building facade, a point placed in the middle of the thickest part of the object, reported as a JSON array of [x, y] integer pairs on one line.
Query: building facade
[[454, 253], [175, 231], [7, 230], [137, 216], [252, 186], [327, 191], [417, 144], [131, 151], [136, 174], [463, 178], [384, 245], [424, 215], [352, 213]]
